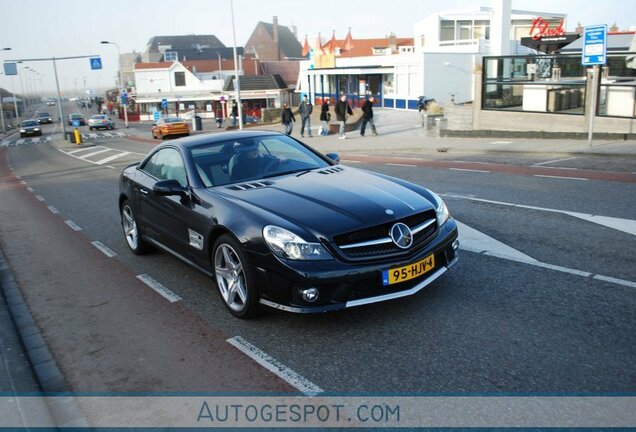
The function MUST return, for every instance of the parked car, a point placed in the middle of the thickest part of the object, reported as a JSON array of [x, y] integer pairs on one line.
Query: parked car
[[170, 126], [51, 102], [76, 116], [278, 224], [44, 117], [100, 121], [30, 128]]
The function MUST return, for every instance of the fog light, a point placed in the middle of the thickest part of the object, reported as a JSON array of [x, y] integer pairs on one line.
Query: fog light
[[456, 244], [310, 295]]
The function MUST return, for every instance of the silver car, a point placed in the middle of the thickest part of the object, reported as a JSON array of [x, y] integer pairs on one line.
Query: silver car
[[100, 121]]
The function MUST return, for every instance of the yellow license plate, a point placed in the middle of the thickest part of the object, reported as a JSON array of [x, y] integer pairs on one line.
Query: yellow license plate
[[408, 272]]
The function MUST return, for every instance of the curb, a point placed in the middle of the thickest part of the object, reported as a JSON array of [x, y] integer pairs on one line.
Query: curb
[[451, 133], [48, 374]]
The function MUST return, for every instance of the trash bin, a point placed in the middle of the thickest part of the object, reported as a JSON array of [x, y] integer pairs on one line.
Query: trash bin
[[70, 137], [198, 124]]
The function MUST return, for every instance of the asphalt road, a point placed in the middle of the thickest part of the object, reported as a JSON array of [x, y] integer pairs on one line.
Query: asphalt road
[[491, 324]]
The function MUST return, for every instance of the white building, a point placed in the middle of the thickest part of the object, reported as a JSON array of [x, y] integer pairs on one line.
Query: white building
[[438, 62]]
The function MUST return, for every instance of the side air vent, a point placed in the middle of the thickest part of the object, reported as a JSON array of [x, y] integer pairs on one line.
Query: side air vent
[[252, 185], [332, 170]]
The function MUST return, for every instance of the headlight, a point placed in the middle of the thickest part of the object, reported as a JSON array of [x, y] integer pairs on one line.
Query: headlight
[[36, 129], [441, 210], [288, 245], [22, 130]]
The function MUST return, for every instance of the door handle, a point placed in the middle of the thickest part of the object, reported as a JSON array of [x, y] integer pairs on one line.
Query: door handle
[[144, 191]]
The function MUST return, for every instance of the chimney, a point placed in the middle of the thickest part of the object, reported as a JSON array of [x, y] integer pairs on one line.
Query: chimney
[[275, 36], [393, 43]]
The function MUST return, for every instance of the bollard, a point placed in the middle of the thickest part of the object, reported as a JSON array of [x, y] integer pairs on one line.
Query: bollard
[[78, 136]]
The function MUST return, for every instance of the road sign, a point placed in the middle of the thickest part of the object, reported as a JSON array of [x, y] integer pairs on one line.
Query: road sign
[[164, 103], [124, 98], [10, 69], [594, 45], [96, 63], [156, 115], [75, 123]]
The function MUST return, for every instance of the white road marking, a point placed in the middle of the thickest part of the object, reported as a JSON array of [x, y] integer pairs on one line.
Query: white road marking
[[73, 225], [105, 250], [72, 152], [53, 210], [23, 183], [159, 288], [30, 189], [111, 167], [501, 142], [92, 135], [625, 225], [471, 162], [616, 281], [553, 161], [48, 139], [112, 158], [120, 134], [474, 241], [18, 177], [401, 165], [40, 198], [469, 170], [271, 364], [86, 156], [561, 177], [20, 141]]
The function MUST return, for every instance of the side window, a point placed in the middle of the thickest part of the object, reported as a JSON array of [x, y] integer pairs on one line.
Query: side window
[[167, 164]]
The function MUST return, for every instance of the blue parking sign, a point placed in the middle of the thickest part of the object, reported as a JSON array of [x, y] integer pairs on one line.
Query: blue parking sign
[[594, 45], [96, 63], [156, 116], [164, 103]]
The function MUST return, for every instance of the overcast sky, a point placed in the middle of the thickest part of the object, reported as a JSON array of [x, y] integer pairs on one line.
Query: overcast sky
[[58, 28]]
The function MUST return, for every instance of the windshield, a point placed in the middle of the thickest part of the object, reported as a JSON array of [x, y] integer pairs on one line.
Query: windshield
[[173, 120], [30, 123], [44, 115], [252, 158], [98, 117]]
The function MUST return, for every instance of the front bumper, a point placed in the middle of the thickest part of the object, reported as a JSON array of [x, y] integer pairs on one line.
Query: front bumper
[[343, 285]]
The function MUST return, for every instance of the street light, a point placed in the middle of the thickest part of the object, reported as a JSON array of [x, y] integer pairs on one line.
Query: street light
[[121, 80], [4, 128]]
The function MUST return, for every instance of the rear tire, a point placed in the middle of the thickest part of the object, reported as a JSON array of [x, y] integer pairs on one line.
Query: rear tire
[[235, 278]]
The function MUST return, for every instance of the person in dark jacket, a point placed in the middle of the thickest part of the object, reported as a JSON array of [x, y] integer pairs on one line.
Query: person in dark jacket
[[367, 116], [305, 109], [342, 109], [287, 118], [325, 117]]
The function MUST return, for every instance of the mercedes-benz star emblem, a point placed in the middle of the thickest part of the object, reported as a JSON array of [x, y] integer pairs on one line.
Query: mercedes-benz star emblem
[[401, 235]]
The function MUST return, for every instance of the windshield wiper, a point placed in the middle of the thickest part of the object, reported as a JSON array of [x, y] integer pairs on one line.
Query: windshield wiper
[[301, 171]]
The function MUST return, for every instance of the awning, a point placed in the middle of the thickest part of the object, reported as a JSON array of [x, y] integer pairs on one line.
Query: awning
[[549, 44]]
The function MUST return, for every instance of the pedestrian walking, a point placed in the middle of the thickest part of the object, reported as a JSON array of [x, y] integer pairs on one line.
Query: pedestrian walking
[[367, 116], [234, 113], [305, 109], [342, 109], [287, 118], [325, 117]]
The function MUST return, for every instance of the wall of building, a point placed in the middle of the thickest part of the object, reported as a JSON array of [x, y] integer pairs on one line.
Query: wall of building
[[447, 76], [152, 81]]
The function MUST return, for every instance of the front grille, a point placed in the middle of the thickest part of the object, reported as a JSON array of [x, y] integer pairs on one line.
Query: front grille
[[381, 232]]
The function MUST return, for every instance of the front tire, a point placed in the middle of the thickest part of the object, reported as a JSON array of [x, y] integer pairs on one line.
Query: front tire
[[131, 231], [235, 277]]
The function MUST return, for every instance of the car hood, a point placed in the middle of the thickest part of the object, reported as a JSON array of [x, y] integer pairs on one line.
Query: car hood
[[331, 201]]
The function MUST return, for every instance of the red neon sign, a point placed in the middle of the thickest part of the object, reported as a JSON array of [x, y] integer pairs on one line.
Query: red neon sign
[[540, 28]]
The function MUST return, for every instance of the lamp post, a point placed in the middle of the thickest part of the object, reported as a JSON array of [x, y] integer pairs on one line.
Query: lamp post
[[4, 128], [237, 86], [121, 80]]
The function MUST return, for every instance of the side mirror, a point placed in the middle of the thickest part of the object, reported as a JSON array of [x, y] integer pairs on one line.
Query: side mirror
[[168, 188], [334, 157]]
